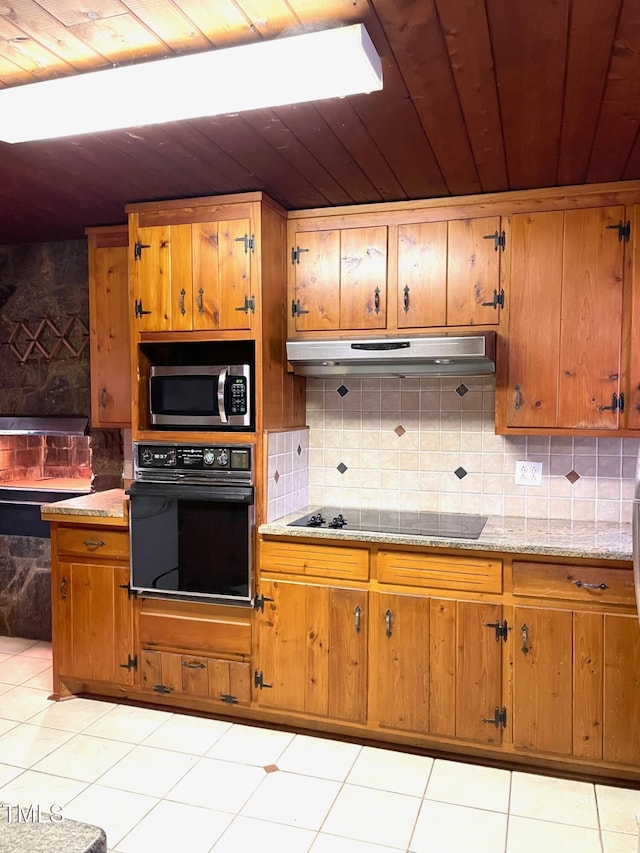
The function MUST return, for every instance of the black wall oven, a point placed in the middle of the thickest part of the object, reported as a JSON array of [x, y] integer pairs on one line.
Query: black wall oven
[[192, 520]]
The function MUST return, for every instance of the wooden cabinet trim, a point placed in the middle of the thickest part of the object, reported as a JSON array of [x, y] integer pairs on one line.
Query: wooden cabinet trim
[[170, 631]]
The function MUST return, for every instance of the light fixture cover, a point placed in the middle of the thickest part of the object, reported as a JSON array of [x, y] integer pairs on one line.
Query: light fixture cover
[[296, 69]]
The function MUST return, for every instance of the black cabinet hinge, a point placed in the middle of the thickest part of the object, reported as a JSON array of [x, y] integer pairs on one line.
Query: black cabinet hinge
[[229, 699], [499, 240], [623, 229], [296, 310], [258, 602], [132, 663], [498, 300], [249, 305], [137, 249], [138, 310], [161, 688], [249, 242], [295, 254], [617, 404], [499, 719], [258, 680], [501, 629]]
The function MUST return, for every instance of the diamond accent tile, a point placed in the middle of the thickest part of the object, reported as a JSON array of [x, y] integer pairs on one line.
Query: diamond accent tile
[[460, 473], [276, 476], [572, 476], [342, 390], [461, 390], [342, 467], [399, 430], [298, 450], [270, 768]]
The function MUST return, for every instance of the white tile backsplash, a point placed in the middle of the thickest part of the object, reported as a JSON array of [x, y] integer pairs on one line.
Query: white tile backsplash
[[419, 444], [287, 472]]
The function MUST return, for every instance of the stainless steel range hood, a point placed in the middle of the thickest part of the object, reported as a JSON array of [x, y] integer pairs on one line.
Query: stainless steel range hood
[[424, 355], [52, 425]]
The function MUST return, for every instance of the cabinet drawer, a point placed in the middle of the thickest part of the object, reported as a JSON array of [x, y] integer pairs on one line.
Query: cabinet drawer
[[323, 561], [425, 570], [210, 678], [173, 630], [575, 583], [93, 542]]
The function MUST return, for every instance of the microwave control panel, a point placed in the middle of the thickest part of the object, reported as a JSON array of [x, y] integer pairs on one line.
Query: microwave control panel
[[180, 459]]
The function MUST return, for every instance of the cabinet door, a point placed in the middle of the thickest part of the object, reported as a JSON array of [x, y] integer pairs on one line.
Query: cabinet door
[[400, 672], [363, 278], [534, 319], [436, 666], [543, 680], [100, 616], [621, 738], [164, 281], [422, 275], [109, 327], [478, 672], [473, 272], [317, 280], [591, 329], [221, 274], [341, 279], [312, 644]]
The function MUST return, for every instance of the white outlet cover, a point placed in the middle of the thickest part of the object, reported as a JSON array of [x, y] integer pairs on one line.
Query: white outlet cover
[[528, 473]]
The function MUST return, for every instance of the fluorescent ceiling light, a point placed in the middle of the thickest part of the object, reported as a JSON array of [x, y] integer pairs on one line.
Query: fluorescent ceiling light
[[309, 67]]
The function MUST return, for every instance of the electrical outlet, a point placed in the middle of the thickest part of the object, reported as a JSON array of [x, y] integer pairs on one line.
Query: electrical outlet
[[528, 473]]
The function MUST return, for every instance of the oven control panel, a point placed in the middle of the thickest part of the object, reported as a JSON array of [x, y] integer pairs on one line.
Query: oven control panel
[[170, 462]]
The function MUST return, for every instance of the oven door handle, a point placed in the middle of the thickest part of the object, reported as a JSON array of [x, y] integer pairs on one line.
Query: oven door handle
[[222, 384], [186, 492]]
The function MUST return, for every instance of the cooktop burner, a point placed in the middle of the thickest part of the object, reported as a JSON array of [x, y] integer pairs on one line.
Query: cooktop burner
[[444, 525]]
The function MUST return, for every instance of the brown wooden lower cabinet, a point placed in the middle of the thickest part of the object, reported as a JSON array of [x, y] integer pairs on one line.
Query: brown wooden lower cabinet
[[312, 650], [92, 613], [167, 673], [436, 666], [524, 660], [576, 691]]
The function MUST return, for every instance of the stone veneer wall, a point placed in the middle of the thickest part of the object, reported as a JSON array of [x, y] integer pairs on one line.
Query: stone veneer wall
[[44, 370]]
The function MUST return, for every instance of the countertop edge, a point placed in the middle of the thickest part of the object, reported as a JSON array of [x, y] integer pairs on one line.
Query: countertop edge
[[583, 540], [110, 507]]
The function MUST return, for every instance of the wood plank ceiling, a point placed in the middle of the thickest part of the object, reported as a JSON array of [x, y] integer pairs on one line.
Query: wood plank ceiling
[[479, 96]]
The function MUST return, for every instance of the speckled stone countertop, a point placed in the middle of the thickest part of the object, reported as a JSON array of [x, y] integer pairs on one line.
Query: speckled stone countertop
[[32, 831], [602, 541], [112, 503]]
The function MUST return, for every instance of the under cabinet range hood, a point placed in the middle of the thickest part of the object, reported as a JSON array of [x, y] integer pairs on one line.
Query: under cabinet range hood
[[424, 355]]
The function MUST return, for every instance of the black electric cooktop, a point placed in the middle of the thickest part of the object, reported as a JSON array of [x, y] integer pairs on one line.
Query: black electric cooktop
[[445, 525]]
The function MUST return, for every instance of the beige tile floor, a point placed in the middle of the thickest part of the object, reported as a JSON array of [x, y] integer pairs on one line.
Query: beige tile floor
[[158, 782]]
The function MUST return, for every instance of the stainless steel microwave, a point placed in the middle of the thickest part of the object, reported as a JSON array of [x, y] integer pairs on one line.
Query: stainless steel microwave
[[206, 397]]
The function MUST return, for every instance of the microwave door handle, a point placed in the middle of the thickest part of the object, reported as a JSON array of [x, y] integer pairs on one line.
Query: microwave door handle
[[222, 382]]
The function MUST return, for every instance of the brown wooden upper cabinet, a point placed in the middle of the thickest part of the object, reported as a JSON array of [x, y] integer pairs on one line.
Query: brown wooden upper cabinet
[[340, 279], [194, 276], [396, 276], [449, 273], [565, 364], [109, 326]]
